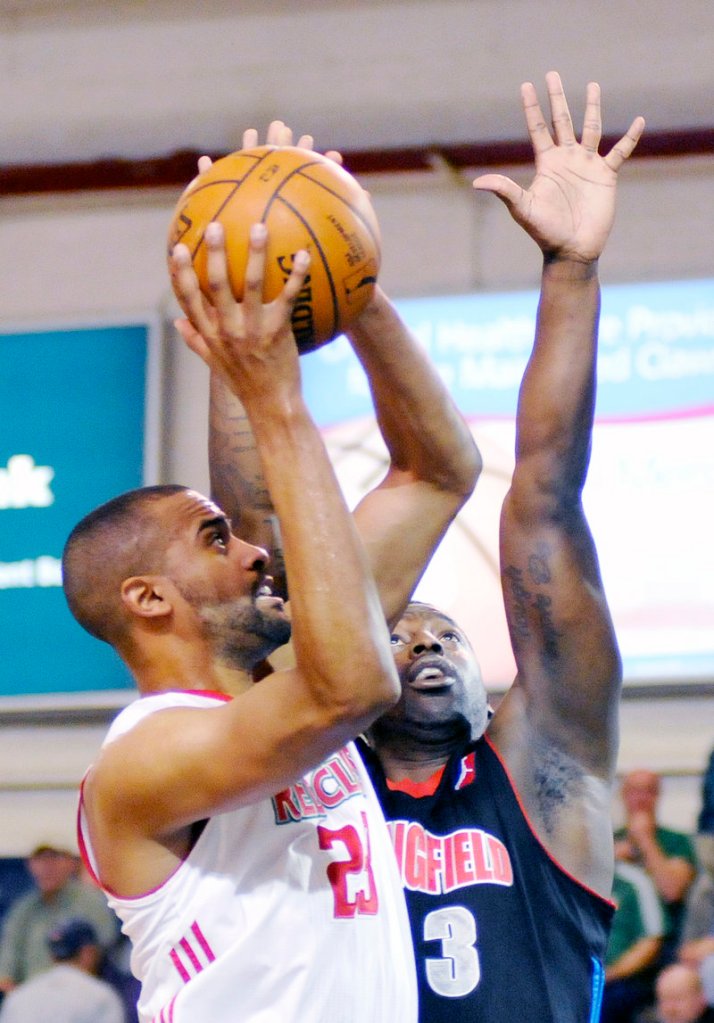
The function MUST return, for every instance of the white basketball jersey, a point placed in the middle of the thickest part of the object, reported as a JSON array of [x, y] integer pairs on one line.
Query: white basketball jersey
[[290, 909]]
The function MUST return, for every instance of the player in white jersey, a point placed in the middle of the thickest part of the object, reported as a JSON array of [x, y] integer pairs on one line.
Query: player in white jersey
[[231, 934], [237, 834]]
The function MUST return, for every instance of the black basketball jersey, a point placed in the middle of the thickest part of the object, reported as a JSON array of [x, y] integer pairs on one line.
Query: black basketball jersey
[[501, 932]]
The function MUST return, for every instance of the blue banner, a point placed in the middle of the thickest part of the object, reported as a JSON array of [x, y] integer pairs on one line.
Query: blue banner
[[656, 352], [72, 436]]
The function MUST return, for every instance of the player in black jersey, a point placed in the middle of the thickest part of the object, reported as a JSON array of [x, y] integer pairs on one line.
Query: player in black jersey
[[504, 840], [502, 827]]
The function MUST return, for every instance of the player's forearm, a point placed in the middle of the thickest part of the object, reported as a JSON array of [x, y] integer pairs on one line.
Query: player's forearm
[[557, 396], [425, 434], [339, 633]]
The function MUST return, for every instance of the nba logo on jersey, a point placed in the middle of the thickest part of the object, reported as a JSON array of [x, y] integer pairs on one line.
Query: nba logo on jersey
[[467, 772]]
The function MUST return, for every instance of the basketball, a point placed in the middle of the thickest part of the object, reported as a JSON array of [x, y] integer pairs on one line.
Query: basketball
[[306, 201]]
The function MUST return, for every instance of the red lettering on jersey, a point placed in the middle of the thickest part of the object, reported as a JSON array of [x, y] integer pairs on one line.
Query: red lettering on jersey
[[449, 864], [414, 858], [327, 786], [286, 807], [331, 784], [464, 868], [437, 864], [434, 856], [352, 879], [344, 769], [502, 868], [482, 856], [309, 805], [348, 761]]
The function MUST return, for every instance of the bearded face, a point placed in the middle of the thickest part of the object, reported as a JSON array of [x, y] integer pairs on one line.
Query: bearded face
[[244, 630]]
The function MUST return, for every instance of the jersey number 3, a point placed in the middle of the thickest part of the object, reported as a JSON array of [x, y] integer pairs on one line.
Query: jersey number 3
[[352, 879], [457, 971]]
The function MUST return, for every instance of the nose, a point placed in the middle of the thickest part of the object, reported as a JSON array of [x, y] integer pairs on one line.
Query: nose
[[252, 558], [425, 642]]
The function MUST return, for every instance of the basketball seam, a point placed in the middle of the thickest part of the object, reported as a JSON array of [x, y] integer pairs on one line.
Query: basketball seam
[[323, 258], [237, 182], [353, 209]]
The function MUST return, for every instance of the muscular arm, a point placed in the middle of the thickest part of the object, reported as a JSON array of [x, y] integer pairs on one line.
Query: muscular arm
[[434, 463], [433, 460], [180, 766], [562, 635], [557, 726]]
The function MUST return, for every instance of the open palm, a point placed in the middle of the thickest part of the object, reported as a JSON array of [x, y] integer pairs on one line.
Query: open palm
[[570, 205]]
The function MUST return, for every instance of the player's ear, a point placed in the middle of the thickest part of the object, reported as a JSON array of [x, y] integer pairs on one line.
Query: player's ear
[[146, 596]]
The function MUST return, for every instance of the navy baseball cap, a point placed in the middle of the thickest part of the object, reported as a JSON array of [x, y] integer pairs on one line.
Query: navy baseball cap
[[68, 937]]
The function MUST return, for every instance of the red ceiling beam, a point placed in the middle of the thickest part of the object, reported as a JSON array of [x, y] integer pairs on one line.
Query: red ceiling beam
[[178, 168]]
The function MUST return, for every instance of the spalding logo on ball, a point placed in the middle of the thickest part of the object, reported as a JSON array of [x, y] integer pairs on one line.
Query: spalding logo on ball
[[307, 202]]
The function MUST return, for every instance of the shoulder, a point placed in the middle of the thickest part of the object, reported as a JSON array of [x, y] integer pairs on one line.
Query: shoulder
[[145, 706]]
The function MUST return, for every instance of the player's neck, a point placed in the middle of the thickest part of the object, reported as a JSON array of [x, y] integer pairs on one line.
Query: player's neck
[[189, 668], [415, 762]]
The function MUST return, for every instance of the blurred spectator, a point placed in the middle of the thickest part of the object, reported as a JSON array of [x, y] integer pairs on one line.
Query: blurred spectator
[[59, 894], [668, 856], [68, 991], [698, 928], [680, 997], [706, 972], [634, 945], [698, 921], [705, 823]]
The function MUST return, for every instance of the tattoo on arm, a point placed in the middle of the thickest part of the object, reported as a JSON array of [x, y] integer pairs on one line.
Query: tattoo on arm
[[525, 604]]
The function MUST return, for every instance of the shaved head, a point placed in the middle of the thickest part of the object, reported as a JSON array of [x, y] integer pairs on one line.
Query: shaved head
[[120, 539]]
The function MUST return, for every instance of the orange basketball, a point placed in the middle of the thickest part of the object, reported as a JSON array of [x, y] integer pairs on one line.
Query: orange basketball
[[307, 202]]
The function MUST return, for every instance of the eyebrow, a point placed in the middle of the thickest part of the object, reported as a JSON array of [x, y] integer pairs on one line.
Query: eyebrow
[[217, 520]]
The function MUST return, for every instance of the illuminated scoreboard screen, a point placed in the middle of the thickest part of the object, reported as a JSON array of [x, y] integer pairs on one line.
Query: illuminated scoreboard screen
[[78, 426]]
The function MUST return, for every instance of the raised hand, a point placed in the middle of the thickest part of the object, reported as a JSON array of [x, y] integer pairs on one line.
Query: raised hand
[[278, 134], [569, 207], [250, 344]]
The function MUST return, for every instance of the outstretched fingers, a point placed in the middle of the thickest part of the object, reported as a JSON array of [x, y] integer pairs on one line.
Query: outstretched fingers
[[293, 285], [279, 134], [221, 294], [592, 120], [625, 147], [535, 122], [506, 189], [559, 112], [255, 269], [188, 291]]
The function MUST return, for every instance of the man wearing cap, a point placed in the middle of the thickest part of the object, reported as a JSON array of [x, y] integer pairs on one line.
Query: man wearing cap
[[58, 895], [69, 991]]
